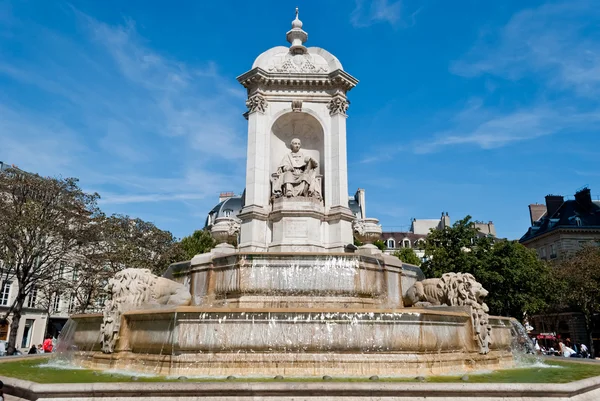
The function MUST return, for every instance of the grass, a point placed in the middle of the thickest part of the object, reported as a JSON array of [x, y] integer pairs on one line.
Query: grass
[[39, 370]]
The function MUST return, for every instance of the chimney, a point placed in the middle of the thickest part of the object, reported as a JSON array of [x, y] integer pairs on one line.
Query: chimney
[[225, 195], [553, 202], [445, 220], [536, 212], [362, 202], [584, 198], [491, 228]]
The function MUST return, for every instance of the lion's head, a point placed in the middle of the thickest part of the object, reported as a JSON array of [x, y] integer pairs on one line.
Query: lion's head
[[463, 289]]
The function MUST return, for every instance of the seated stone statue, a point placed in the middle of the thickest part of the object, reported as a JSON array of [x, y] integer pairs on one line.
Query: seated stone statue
[[296, 175]]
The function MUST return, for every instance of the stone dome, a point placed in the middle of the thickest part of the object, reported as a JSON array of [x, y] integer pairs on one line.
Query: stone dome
[[297, 58], [280, 59], [229, 207]]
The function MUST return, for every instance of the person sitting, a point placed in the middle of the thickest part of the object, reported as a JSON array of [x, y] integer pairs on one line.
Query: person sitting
[[296, 175], [32, 350], [567, 352], [585, 353]]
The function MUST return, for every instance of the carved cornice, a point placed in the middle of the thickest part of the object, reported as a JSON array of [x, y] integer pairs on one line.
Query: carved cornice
[[256, 102], [338, 105], [337, 79]]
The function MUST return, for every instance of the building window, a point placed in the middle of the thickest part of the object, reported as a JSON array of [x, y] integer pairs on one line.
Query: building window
[[552, 251], [4, 331], [577, 221], [72, 303], [227, 212], [32, 298], [27, 330], [391, 243], [5, 293], [406, 243], [543, 252], [56, 303], [75, 273]]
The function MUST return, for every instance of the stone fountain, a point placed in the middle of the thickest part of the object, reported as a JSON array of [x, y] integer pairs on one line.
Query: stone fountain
[[285, 292]]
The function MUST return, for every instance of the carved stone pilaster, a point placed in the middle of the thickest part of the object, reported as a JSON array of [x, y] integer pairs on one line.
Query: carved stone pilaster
[[256, 102], [338, 105]]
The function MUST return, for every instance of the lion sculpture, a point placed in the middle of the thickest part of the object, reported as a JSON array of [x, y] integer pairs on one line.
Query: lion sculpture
[[133, 289], [455, 289]]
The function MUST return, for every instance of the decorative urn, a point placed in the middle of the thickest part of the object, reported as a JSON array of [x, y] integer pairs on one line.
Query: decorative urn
[[226, 230], [366, 230]]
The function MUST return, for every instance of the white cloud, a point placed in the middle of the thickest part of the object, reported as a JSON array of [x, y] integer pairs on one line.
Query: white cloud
[[369, 12], [556, 42], [503, 129], [556, 48], [135, 125]]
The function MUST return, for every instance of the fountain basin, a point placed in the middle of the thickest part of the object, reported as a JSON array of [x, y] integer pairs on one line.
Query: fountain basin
[[293, 342]]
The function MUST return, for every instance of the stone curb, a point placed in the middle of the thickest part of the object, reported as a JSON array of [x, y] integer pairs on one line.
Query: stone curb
[[33, 391]]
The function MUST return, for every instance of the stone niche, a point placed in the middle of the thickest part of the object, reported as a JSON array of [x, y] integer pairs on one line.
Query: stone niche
[[302, 223]]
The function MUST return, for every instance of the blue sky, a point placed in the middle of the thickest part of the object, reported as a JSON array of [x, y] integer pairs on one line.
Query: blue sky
[[470, 107]]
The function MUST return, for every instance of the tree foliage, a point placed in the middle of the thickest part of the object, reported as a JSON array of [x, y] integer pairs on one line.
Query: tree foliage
[[42, 222], [580, 276], [408, 255], [55, 242], [516, 279], [199, 242], [122, 242], [379, 243]]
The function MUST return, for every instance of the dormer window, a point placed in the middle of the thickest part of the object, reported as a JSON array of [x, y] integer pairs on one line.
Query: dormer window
[[578, 221], [391, 243], [406, 243]]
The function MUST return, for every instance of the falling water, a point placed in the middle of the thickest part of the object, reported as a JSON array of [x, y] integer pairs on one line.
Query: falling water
[[522, 347]]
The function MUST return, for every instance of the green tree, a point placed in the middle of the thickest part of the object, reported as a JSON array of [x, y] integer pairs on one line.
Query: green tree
[[379, 243], [451, 249], [122, 242], [43, 221], [408, 255], [199, 242], [516, 279], [580, 274]]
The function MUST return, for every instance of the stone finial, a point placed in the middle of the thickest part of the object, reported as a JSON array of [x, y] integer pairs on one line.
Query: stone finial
[[296, 36], [297, 23]]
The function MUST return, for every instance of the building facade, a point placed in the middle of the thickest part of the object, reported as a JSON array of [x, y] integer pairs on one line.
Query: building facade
[[420, 229], [560, 227], [43, 313]]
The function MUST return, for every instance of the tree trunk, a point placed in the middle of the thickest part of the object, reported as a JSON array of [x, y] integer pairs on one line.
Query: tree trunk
[[589, 327], [14, 327], [88, 299]]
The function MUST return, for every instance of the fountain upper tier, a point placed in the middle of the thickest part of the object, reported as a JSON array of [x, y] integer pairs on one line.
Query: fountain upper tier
[[249, 279]]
